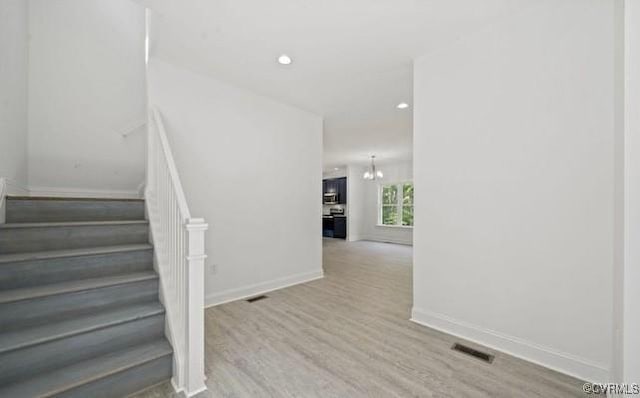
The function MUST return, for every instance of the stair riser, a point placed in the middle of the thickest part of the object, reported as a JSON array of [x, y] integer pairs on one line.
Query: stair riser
[[18, 364], [22, 210], [87, 343], [53, 270], [20, 240], [126, 382], [41, 310]]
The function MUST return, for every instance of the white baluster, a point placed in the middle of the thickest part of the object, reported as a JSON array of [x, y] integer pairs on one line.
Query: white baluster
[[179, 249]]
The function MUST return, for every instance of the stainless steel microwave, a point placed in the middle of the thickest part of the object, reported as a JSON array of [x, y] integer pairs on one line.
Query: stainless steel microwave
[[330, 198]]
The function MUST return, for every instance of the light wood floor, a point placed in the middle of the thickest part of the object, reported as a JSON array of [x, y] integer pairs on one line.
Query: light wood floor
[[349, 335]]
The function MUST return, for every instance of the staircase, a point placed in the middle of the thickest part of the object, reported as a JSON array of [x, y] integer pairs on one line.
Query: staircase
[[79, 308]]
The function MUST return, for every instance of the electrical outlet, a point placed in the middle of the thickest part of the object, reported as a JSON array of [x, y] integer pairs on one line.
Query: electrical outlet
[[214, 268]]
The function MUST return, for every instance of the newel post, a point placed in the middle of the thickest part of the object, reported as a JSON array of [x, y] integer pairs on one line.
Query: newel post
[[194, 353]]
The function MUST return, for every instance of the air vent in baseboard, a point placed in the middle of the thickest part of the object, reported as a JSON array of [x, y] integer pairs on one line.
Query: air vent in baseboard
[[483, 356], [256, 298]]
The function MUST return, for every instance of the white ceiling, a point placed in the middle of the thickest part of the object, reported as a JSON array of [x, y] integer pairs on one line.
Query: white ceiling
[[352, 59]]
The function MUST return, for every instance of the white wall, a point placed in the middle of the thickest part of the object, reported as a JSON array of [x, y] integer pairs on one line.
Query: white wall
[[631, 308], [355, 203], [13, 92], [363, 204], [514, 173], [252, 167], [86, 87]]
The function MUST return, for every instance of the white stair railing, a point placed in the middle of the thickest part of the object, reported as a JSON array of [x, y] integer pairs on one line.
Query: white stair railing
[[179, 259]]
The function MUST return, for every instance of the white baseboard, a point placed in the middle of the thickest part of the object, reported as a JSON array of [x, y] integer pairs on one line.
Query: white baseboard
[[12, 188], [84, 193], [374, 238], [9, 187], [562, 362], [260, 288], [181, 392]]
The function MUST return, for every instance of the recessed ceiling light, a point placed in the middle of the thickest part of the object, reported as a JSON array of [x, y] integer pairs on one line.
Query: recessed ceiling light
[[336, 168], [284, 59], [402, 105]]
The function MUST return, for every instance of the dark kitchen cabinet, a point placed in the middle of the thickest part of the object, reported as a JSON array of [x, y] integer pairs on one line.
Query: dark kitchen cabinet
[[327, 227], [340, 227], [341, 188], [329, 186], [338, 186]]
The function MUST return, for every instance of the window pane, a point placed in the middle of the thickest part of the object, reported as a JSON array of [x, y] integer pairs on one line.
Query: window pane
[[389, 195], [407, 194], [407, 215], [389, 215]]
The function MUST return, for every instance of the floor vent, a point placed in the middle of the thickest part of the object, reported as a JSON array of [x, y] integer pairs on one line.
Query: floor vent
[[483, 356], [256, 298]]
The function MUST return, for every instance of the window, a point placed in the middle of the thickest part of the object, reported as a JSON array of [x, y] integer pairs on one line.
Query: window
[[396, 204]]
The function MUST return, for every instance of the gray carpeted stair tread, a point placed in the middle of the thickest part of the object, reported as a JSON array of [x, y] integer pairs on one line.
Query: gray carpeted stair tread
[[52, 331], [8, 296], [70, 224], [30, 210], [15, 257], [62, 380], [73, 199], [80, 314], [37, 237]]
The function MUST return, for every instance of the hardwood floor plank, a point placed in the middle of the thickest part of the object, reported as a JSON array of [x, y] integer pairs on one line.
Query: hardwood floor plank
[[349, 335]]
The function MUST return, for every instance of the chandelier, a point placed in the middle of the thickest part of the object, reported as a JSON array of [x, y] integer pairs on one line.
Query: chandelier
[[373, 174]]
